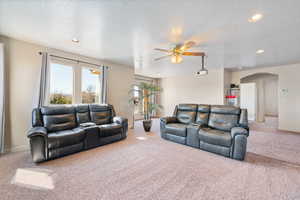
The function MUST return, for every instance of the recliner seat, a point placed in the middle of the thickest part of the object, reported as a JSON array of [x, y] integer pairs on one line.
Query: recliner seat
[[176, 129], [215, 128], [214, 136], [61, 130]]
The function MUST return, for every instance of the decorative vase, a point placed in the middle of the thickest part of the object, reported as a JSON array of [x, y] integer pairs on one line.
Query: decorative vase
[[147, 125]]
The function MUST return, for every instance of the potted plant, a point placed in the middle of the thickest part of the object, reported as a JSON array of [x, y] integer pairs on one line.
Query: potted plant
[[143, 94]]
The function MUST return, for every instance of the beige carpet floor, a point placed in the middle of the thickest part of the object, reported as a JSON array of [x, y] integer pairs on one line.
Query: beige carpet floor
[[144, 166]]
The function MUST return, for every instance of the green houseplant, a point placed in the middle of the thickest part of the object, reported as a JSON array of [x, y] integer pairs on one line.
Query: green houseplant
[[143, 94]]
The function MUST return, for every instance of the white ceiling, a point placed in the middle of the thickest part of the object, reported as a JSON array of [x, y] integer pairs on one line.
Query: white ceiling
[[126, 31]]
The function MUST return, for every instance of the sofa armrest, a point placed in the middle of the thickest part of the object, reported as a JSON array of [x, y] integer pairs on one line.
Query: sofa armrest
[[192, 137], [38, 143], [239, 131], [37, 131], [124, 122], [120, 120], [167, 120], [87, 124], [197, 125]]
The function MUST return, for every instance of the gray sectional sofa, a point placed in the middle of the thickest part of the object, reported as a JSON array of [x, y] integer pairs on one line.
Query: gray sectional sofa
[[61, 130], [215, 128]]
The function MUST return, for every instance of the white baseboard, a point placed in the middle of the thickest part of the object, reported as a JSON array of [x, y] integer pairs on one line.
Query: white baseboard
[[17, 149]]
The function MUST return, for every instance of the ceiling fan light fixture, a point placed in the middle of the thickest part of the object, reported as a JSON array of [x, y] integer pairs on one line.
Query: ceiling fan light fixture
[[95, 72], [177, 52], [176, 59], [256, 17]]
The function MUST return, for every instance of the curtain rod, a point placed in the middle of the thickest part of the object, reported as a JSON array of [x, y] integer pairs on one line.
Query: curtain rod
[[78, 61]]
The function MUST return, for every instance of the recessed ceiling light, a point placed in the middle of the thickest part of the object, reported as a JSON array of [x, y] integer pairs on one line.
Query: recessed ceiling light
[[256, 17], [75, 40], [260, 51]]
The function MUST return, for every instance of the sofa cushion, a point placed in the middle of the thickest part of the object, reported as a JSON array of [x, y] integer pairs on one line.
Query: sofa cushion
[[175, 138], [37, 117], [58, 118], [82, 114], [110, 129], [202, 114], [176, 129], [224, 117], [101, 114], [243, 122], [216, 137], [186, 113], [223, 109], [64, 138], [223, 122]]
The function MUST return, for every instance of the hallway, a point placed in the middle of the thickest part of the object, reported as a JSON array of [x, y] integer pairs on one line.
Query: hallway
[[270, 124]]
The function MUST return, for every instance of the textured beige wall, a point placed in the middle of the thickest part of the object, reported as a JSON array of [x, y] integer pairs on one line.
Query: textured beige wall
[[288, 93], [23, 64], [271, 96], [120, 80], [208, 89]]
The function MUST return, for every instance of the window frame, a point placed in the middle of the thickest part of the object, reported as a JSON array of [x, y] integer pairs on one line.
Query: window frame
[[48, 99], [77, 68], [142, 79], [99, 79]]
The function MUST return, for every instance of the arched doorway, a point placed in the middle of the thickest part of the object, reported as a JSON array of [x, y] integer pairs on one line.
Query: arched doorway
[[266, 91]]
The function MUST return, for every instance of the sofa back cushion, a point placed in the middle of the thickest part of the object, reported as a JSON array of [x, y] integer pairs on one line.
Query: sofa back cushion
[[244, 118], [186, 113], [82, 114], [202, 114], [58, 118], [101, 114], [37, 119], [223, 117]]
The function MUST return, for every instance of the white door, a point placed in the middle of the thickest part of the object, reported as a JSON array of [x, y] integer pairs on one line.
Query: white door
[[248, 99]]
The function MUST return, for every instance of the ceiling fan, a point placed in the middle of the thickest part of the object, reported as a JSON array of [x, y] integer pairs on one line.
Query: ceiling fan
[[178, 51]]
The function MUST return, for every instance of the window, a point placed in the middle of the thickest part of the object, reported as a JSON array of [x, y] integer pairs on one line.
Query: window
[[73, 83], [61, 84], [138, 109], [90, 85], [136, 94]]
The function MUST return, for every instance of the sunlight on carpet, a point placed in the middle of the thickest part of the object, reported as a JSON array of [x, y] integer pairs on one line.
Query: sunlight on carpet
[[141, 138], [33, 178]]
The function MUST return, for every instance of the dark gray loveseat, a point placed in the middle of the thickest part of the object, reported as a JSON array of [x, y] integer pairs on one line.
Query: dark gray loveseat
[[61, 130], [214, 128]]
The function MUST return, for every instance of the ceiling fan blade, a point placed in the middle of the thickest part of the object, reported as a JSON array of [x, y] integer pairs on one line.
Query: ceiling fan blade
[[164, 50], [188, 45], [193, 54], [156, 59]]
